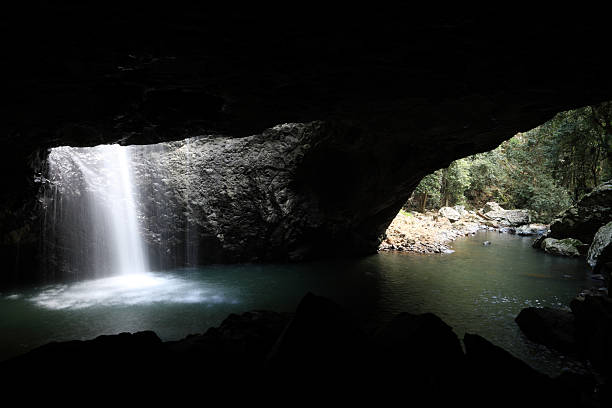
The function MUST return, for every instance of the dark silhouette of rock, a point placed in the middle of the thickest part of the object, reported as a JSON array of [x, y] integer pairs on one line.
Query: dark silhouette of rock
[[240, 343], [502, 377], [320, 334], [118, 356], [553, 328], [593, 316], [426, 352]]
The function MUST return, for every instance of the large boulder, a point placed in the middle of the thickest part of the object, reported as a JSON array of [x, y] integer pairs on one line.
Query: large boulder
[[240, 342], [506, 218], [501, 376], [425, 345], [600, 254], [450, 213], [141, 351], [551, 327], [492, 206], [584, 219], [532, 229], [322, 339], [563, 247], [594, 329]]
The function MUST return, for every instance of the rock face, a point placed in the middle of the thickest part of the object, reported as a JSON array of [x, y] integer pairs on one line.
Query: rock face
[[582, 220], [279, 195], [506, 218], [564, 247], [553, 328], [600, 254]]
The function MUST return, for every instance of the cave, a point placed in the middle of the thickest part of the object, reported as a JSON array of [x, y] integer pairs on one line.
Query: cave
[[309, 131]]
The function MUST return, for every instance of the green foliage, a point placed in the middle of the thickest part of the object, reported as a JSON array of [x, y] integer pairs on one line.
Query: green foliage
[[455, 181], [544, 170]]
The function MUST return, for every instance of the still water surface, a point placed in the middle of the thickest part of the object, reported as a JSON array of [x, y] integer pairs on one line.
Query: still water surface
[[478, 289]]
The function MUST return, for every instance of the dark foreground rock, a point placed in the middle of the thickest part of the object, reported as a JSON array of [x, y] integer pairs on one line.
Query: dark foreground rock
[[317, 353], [594, 329], [554, 328], [503, 378]]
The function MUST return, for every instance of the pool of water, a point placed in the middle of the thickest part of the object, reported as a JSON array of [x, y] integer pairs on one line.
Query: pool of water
[[478, 289]]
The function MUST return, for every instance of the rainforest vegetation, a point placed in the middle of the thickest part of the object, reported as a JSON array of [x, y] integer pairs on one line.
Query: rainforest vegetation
[[544, 170]]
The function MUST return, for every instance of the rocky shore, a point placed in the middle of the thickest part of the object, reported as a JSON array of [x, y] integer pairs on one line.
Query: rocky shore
[[433, 231]]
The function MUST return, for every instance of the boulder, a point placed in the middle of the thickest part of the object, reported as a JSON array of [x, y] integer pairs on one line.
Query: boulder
[[491, 206], [241, 341], [600, 251], [506, 218], [320, 334], [501, 376], [425, 345], [450, 213], [584, 219], [104, 354], [553, 328], [461, 210], [537, 243], [563, 247], [599, 255], [532, 229], [593, 316]]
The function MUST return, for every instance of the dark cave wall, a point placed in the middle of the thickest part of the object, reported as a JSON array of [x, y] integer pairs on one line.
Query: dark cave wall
[[396, 95]]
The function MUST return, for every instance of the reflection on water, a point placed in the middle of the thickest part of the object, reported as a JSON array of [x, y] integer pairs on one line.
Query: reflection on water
[[136, 289], [478, 289]]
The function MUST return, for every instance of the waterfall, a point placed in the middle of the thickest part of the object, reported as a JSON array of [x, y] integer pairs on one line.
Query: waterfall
[[94, 217]]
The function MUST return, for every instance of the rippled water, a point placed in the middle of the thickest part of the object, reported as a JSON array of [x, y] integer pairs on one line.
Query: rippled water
[[479, 289]]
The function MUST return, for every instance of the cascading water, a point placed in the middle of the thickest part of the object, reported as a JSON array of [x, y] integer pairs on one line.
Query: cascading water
[[94, 225]]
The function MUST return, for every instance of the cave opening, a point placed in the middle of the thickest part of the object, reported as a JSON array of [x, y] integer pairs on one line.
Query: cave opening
[[262, 157]]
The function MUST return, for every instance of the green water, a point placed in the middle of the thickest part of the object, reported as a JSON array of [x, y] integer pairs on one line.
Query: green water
[[478, 289]]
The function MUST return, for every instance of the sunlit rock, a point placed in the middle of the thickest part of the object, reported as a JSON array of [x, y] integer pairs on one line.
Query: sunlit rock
[[450, 213], [564, 247]]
